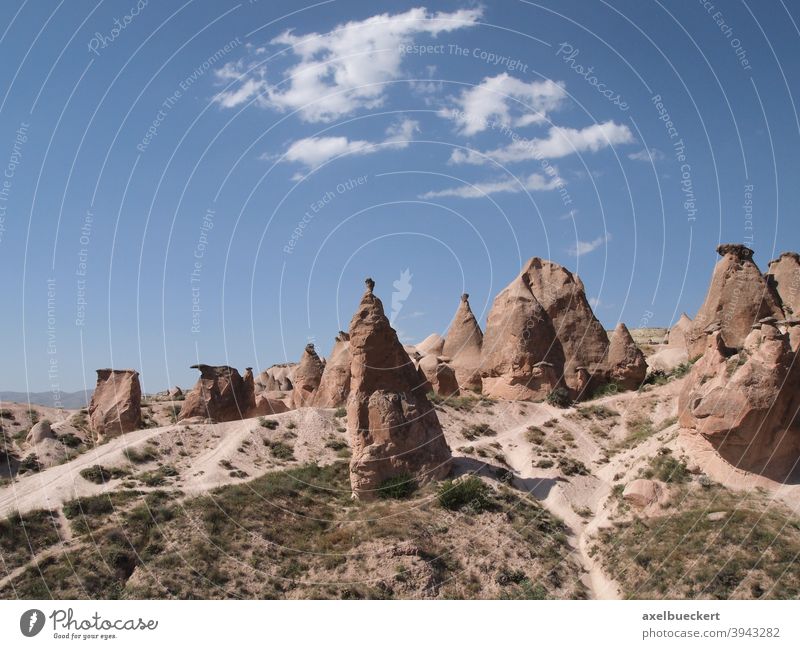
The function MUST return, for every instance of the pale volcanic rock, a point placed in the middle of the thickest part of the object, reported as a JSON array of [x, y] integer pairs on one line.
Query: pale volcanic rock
[[268, 403], [116, 405], [678, 336], [519, 336], [393, 428], [433, 344], [627, 366], [563, 296], [39, 432], [462, 345], [744, 402], [738, 297], [307, 377], [642, 492], [784, 275], [439, 375], [335, 383], [220, 394]]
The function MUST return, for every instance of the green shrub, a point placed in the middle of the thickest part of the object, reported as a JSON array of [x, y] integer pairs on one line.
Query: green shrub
[[70, 440], [477, 430], [340, 412], [571, 466], [96, 474], [398, 487], [268, 423], [559, 397], [607, 390], [30, 464], [281, 451], [142, 455], [667, 468], [468, 493], [535, 435]]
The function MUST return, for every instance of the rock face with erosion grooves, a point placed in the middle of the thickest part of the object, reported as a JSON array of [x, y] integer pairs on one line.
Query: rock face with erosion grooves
[[439, 375], [335, 383], [563, 296], [462, 346], [116, 405], [521, 356], [739, 296], [220, 394], [784, 275], [627, 366], [393, 428], [307, 377], [745, 402]]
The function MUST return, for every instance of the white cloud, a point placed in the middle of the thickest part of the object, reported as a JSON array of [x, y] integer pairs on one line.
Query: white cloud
[[646, 155], [560, 142], [505, 100], [534, 182], [314, 151], [585, 247], [347, 68]]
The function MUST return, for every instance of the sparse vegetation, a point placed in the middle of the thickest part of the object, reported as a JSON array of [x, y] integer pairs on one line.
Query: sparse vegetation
[[667, 468], [559, 397], [271, 424], [99, 474], [474, 431], [280, 450], [340, 412], [606, 390], [750, 553], [469, 494], [398, 488], [142, 454]]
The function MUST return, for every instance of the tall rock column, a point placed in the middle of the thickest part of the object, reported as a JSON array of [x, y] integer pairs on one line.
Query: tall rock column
[[393, 427], [307, 377], [116, 405]]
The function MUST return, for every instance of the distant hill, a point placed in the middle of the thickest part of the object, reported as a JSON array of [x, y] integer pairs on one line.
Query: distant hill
[[69, 400]]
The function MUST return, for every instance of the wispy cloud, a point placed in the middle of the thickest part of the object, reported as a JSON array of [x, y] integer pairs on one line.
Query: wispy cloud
[[314, 151], [585, 247], [340, 71], [534, 182], [646, 155], [504, 100], [560, 142]]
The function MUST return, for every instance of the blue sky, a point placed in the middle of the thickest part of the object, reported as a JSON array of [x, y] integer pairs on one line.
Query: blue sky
[[213, 180]]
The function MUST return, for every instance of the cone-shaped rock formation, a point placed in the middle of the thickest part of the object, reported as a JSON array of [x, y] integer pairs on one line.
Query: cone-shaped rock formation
[[563, 296], [462, 346], [521, 357], [627, 366], [739, 296], [393, 428]]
